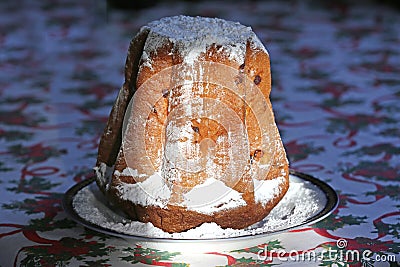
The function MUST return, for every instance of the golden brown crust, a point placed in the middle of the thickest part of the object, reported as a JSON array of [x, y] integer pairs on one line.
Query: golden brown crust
[[176, 218], [110, 141]]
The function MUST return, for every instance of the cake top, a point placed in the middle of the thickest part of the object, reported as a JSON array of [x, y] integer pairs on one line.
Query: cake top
[[193, 28], [193, 35]]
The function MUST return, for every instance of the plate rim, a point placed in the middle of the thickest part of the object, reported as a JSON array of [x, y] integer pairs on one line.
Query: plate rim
[[331, 204]]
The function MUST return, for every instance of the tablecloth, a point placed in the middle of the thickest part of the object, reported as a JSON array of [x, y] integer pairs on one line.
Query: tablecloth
[[336, 92]]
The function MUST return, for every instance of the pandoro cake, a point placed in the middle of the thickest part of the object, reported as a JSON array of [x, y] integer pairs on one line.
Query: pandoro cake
[[191, 137]]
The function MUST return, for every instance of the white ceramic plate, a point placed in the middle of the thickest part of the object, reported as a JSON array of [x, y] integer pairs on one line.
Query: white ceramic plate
[[308, 201]]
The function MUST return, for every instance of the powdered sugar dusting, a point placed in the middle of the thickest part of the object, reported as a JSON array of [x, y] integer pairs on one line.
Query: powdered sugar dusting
[[207, 198], [302, 201], [191, 36], [151, 192], [266, 190], [128, 172], [103, 174], [212, 196]]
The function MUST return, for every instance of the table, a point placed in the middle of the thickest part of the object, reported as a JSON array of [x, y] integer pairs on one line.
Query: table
[[335, 72]]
